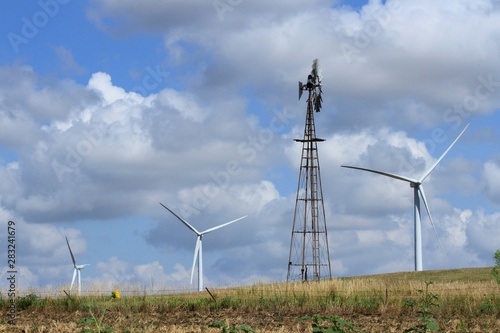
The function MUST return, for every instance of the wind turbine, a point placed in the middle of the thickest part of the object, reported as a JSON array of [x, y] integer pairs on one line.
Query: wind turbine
[[418, 191], [76, 270], [198, 249]]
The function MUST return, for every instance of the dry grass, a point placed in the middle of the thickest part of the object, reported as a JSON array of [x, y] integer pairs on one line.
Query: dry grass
[[469, 301]]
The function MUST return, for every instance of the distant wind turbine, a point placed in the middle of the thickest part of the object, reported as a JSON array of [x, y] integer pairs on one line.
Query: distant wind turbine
[[198, 249], [418, 191], [76, 270]]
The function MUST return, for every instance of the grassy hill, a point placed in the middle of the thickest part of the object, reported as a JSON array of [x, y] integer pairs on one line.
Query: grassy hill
[[459, 300], [452, 275]]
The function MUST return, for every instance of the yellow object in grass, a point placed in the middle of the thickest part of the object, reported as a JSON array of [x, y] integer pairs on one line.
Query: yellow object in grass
[[115, 294]]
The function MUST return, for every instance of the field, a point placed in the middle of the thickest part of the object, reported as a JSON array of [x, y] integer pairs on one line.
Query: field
[[463, 300]]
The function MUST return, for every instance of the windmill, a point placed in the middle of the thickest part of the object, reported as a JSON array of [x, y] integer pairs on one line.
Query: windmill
[[76, 270], [198, 253], [309, 239], [418, 192]]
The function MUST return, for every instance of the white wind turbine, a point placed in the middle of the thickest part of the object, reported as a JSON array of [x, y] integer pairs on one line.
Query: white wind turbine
[[198, 249], [76, 270], [418, 191]]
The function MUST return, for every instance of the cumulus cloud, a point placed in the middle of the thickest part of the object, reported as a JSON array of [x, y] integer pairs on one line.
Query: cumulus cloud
[[492, 179], [153, 275], [147, 278], [121, 135], [363, 52]]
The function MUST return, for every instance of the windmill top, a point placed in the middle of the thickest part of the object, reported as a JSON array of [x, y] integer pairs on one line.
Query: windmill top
[[313, 85]]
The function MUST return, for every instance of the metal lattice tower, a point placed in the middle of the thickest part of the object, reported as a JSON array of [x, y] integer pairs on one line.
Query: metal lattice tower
[[309, 257]]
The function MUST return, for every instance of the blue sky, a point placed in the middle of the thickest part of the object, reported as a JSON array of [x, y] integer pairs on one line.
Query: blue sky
[[108, 108]]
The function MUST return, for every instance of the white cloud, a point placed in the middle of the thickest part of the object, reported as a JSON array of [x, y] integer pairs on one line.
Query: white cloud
[[115, 270], [482, 231], [101, 82], [182, 103], [153, 275], [23, 279], [492, 179]]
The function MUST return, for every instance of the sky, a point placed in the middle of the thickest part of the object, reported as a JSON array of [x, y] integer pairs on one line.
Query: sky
[[108, 108]]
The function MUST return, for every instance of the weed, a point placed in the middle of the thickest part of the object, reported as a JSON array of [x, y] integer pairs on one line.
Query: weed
[[409, 303], [330, 324], [426, 304], [301, 299], [25, 302], [487, 307], [232, 329], [70, 302], [461, 327], [95, 321], [366, 302], [496, 270], [225, 303]]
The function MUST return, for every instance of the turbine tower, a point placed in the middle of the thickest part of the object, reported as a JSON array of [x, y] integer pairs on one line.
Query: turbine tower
[[309, 257], [418, 192], [198, 251], [76, 270]]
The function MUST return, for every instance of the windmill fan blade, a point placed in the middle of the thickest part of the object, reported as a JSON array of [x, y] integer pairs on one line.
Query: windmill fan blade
[[392, 175], [181, 219], [315, 68], [71, 252], [301, 86], [316, 72], [424, 199], [222, 225], [196, 253], [442, 156], [317, 103]]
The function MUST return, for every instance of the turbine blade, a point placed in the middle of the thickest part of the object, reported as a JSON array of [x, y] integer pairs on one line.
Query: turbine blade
[[181, 219], [424, 199], [71, 252], [392, 175], [196, 252], [222, 225], [442, 156], [73, 279]]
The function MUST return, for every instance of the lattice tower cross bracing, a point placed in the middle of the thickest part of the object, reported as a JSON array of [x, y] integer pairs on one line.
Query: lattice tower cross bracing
[[309, 256]]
